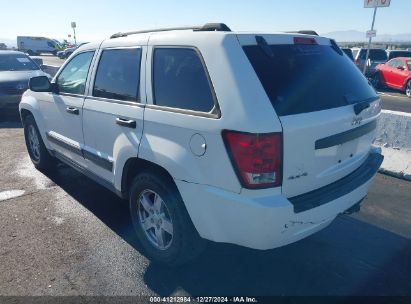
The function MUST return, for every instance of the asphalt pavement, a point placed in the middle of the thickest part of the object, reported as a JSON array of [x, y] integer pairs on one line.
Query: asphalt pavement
[[395, 100], [50, 60], [66, 235]]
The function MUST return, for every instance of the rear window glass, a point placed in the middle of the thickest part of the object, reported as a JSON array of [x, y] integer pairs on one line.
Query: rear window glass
[[118, 74], [375, 54], [180, 80], [399, 54], [307, 78]]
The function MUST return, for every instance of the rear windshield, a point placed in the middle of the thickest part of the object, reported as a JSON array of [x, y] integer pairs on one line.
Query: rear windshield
[[375, 54], [400, 54], [307, 78]]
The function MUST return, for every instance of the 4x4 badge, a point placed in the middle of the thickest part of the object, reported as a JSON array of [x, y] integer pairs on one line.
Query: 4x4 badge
[[356, 121]]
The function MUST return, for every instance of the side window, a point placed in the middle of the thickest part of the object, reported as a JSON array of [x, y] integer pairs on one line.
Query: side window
[[72, 78], [393, 63], [180, 80], [118, 74]]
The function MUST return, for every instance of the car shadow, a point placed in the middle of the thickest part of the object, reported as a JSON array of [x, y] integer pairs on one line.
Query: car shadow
[[350, 257]]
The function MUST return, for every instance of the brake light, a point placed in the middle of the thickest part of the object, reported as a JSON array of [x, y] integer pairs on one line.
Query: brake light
[[304, 40], [256, 158]]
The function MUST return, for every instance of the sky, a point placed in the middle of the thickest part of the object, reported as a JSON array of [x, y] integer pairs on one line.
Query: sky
[[97, 20]]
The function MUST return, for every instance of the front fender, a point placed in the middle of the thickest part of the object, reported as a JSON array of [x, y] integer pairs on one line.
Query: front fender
[[31, 104]]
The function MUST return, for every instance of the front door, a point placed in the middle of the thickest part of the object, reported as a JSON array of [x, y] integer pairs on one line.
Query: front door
[[63, 111]]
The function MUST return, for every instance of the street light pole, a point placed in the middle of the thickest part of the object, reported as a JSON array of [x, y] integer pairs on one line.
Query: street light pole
[[73, 26], [74, 30], [369, 42]]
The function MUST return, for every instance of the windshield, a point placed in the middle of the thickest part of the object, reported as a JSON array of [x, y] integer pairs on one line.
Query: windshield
[[375, 54], [409, 65], [307, 78], [16, 62]]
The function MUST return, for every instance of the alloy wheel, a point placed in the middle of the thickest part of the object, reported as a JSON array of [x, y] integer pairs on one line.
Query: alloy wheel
[[155, 219]]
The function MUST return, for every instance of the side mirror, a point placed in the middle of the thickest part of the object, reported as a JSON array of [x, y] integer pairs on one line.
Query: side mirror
[[400, 68], [42, 84]]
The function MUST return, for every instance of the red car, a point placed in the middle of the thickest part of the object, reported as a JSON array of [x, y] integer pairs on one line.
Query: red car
[[395, 74]]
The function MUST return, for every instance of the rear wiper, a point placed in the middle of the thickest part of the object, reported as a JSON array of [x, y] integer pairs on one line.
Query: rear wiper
[[361, 106]]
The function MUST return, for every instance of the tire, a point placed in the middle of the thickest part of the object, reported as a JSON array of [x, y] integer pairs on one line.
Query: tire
[[38, 152], [376, 80], [408, 89], [167, 220]]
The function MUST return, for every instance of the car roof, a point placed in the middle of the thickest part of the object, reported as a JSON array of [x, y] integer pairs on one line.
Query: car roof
[[179, 35]]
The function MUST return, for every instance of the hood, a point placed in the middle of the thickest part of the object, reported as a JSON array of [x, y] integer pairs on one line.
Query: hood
[[15, 76]]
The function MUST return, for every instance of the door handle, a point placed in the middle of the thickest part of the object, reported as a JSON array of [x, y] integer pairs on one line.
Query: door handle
[[72, 110], [126, 123]]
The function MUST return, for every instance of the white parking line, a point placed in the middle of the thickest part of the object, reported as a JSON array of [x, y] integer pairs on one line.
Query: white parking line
[[5, 195]]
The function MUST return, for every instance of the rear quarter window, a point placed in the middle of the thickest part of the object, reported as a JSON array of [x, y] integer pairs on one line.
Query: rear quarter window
[[307, 78], [180, 80]]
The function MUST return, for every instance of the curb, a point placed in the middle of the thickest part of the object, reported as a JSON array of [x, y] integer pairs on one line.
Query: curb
[[394, 137]]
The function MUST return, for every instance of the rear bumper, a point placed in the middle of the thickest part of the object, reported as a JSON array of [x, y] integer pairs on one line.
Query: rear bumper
[[339, 188], [270, 221]]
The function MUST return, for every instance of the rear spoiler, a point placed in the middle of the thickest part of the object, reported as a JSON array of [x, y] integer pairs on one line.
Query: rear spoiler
[[305, 32]]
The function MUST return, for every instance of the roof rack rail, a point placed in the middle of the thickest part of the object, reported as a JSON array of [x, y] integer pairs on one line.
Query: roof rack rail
[[305, 32], [219, 27]]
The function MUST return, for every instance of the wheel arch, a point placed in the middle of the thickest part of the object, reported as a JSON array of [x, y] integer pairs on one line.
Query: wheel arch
[[30, 106], [135, 165], [408, 79]]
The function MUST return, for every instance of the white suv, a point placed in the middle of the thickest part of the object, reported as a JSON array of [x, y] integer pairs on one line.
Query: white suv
[[253, 139]]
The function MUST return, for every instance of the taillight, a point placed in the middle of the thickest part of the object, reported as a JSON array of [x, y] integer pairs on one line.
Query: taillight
[[257, 158], [304, 40]]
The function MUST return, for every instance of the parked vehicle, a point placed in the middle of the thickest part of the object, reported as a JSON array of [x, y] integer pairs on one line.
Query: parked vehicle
[[242, 141], [37, 45], [16, 69], [348, 52], [398, 53], [395, 74], [68, 51], [376, 56]]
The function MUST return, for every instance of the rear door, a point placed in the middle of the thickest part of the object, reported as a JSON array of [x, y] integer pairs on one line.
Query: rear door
[[389, 72], [399, 73], [318, 95], [113, 110]]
